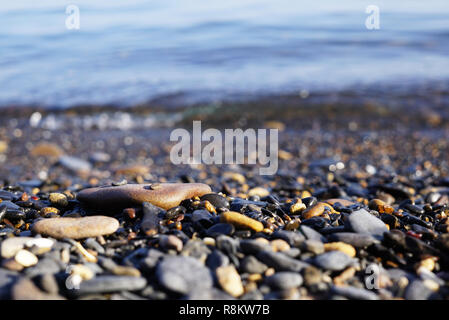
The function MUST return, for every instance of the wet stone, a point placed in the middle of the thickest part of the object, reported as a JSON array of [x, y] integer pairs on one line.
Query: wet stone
[[76, 228], [182, 274]]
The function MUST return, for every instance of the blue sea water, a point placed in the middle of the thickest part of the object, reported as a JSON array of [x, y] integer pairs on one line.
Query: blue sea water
[[129, 51]]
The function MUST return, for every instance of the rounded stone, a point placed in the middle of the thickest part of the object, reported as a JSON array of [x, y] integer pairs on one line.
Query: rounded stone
[[76, 228], [183, 274], [284, 280], [164, 195]]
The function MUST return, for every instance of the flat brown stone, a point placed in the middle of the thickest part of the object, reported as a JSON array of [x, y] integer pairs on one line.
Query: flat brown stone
[[163, 195], [343, 202], [76, 228]]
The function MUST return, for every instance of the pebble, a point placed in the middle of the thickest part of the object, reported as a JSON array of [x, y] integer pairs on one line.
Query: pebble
[[229, 280], [311, 234], [25, 258], [25, 289], [251, 265], [333, 260], [106, 283], [46, 149], [168, 242], [241, 221], [10, 246], [357, 240], [279, 245], [58, 199], [354, 293], [417, 290], [313, 246], [216, 259], [216, 200], [294, 239], [258, 191], [182, 274], [76, 228], [75, 164], [362, 221], [341, 246], [284, 280], [150, 224], [164, 195], [281, 262]]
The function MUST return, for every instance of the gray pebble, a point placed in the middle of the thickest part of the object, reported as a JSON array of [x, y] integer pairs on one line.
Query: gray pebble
[[362, 221], [280, 261], [183, 274], [251, 265], [284, 280], [102, 284], [354, 293]]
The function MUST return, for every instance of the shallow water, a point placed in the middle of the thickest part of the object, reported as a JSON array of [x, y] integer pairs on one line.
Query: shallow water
[[127, 52]]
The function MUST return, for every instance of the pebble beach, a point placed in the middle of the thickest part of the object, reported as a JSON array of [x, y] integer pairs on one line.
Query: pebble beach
[[357, 209]]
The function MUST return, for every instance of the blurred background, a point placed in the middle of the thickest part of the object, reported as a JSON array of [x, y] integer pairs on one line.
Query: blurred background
[[133, 51]]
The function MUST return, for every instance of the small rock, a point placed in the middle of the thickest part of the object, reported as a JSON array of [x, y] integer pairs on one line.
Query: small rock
[[341, 246], [25, 258], [25, 289], [163, 195], [354, 293], [241, 221], [183, 274], [229, 280], [170, 242], [284, 280], [333, 260], [76, 228], [363, 222], [281, 262], [251, 265], [58, 199], [101, 284]]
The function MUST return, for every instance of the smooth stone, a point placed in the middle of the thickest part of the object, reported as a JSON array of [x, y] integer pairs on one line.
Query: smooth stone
[[220, 229], [9, 205], [313, 246], [75, 164], [183, 274], [217, 259], [363, 222], [10, 246], [281, 262], [354, 293], [230, 281], [25, 289], [250, 246], [250, 265], [284, 280], [76, 228], [102, 284], [168, 242], [311, 234], [417, 290], [216, 200], [6, 195], [164, 195], [357, 240], [333, 260], [44, 266], [294, 239], [7, 280], [25, 258], [202, 216]]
